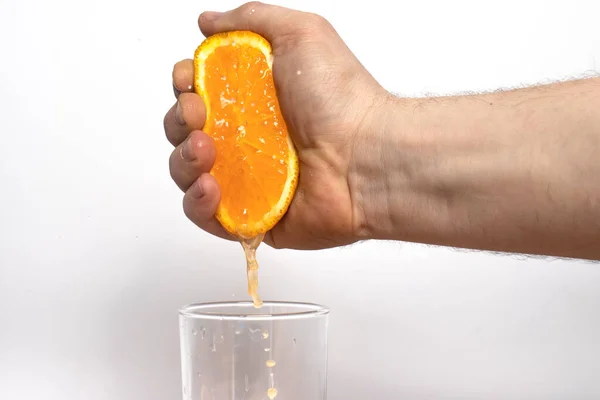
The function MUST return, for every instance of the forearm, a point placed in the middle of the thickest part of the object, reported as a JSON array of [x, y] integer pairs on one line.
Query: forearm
[[516, 171]]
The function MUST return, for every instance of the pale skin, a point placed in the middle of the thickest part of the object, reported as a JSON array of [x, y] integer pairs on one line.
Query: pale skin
[[514, 171]]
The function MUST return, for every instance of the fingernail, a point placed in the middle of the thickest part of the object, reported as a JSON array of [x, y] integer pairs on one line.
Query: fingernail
[[197, 191], [178, 115], [211, 16], [187, 152]]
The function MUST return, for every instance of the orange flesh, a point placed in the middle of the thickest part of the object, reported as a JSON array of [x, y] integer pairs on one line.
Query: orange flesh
[[249, 132]]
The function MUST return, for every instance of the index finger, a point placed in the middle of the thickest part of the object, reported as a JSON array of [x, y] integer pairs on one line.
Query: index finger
[[183, 77], [267, 20]]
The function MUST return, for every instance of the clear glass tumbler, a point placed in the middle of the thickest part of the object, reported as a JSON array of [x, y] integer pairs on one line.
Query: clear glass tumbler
[[234, 351]]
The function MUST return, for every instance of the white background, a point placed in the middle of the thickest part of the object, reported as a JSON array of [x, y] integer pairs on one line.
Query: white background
[[96, 254]]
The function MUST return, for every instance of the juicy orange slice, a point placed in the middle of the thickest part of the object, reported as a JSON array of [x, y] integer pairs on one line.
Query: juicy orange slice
[[256, 163]]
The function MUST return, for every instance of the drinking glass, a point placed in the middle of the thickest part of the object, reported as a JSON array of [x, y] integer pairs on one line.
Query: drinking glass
[[234, 351]]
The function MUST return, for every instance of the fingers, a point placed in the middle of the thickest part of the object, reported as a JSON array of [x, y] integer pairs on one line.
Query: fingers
[[265, 19], [194, 153], [186, 115], [192, 158], [200, 205]]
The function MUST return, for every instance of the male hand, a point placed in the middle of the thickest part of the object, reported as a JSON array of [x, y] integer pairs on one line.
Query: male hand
[[330, 104]]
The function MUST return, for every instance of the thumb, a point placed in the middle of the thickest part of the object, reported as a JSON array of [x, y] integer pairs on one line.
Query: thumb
[[267, 20]]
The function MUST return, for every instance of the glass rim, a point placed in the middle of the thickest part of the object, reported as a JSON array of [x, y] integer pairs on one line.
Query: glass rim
[[210, 310]]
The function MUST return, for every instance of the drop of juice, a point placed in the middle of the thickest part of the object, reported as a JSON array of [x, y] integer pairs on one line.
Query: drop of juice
[[272, 392], [270, 363]]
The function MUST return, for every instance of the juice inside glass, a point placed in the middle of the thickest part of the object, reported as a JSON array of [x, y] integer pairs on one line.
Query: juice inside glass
[[234, 351]]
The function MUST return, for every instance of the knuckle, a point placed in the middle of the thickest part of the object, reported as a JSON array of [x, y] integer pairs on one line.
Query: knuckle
[[176, 92], [167, 127], [178, 174], [184, 100], [303, 28], [251, 6], [181, 72], [170, 129], [166, 123], [173, 165], [174, 72], [193, 111], [315, 23], [190, 211], [186, 109]]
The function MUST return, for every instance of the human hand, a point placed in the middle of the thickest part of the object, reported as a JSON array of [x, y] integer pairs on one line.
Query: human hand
[[330, 104]]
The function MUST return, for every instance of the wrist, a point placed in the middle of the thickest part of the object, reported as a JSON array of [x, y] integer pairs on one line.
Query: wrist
[[398, 188], [378, 176]]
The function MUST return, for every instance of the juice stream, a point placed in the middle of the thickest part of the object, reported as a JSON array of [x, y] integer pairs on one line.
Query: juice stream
[[250, 246]]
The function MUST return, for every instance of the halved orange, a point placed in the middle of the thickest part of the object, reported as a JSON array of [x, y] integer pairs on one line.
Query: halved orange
[[256, 163]]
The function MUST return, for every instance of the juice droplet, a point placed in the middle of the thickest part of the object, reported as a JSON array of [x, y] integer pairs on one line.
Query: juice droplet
[[294, 341], [270, 363], [272, 392], [246, 383], [265, 334], [267, 349]]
